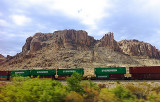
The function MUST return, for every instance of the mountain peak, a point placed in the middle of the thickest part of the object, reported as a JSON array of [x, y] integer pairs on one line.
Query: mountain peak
[[1, 56]]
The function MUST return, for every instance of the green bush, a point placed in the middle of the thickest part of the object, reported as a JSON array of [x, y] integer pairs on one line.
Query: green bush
[[141, 90], [73, 83], [123, 94], [34, 90], [156, 89], [91, 91], [106, 96], [154, 97], [89, 83], [74, 97], [40, 90]]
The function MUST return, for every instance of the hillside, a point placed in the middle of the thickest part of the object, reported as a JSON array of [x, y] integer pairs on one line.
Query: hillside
[[2, 59], [75, 49]]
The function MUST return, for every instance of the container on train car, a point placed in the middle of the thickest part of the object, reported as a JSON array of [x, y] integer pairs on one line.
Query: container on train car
[[116, 76], [69, 71], [4, 75], [4, 78], [44, 72], [49, 73], [146, 76], [114, 70], [102, 76], [145, 69], [23, 73]]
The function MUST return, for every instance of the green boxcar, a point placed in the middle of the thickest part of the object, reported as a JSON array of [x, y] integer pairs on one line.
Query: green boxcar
[[102, 76], [44, 72], [20, 73], [4, 76], [69, 71], [106, 71]]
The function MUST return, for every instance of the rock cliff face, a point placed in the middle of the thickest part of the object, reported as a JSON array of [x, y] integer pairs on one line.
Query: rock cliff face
[[68, 39], [138, 48], [2, 59], [72, 49], [73, 39], [79, 40], [1, 56], [36, 42], [109, 42]]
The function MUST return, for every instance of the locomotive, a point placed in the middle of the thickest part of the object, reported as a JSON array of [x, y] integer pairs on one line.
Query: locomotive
[[110, 73]]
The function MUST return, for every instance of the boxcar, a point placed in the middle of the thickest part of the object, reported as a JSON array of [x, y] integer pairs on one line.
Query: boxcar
[[145, 72], [4, 75], [110, 73], [48, 73], [23, 73], [64, 73]]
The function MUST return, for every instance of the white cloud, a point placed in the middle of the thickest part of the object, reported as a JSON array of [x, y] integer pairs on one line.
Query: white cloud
[[89, 12], [4, 23], [1, 14], [148, 8], [20, 20]]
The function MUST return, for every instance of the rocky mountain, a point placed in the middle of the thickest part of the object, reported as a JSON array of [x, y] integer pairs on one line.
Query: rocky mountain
[[76, 49], [2, 59], [108, 42], [1, 56], [139, 48], [68, 39]]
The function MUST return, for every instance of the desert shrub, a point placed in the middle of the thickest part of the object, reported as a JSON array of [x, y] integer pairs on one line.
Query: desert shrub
[[91, 91], [101, 85], [89, 83], [156, 89], [106, 96], [123, 94], [154, 97], [73, 83], [2, 96], [19, 79], [90, 95], [35, 90], [73, 97], [141, 90]]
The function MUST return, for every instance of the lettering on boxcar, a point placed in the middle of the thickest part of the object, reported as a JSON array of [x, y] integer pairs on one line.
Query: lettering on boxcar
[[68, 71], [19, 72], [42, 71], [109, 70]]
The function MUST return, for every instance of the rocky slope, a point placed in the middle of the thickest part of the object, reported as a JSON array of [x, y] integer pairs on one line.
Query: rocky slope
[[1, 56], [2, 59], [75, 49], [108, 42], [139, 48]]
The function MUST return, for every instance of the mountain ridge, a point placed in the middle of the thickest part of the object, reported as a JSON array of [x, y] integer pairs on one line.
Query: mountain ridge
[[75, 48]]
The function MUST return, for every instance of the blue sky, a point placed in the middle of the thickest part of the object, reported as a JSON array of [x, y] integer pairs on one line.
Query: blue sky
[[128, 19]]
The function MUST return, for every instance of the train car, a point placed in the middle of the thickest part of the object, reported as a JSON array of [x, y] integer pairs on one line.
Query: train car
[[110, 73], [23, 73], [46, 73], [4, 75], [64, 73], [145, 72]]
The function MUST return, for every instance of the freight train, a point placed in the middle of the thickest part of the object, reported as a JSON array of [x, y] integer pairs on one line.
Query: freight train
[[118, 73]]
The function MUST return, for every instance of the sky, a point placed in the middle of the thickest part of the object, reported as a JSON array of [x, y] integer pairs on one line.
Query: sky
[[127, 19]]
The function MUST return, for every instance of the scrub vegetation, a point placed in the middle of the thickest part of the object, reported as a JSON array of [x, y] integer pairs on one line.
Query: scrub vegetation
[[77, 90]]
